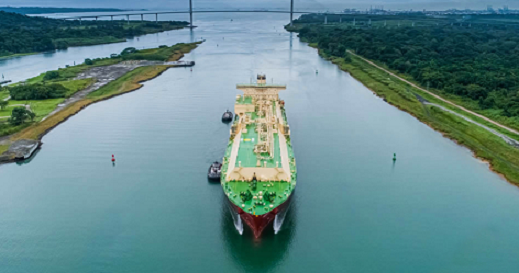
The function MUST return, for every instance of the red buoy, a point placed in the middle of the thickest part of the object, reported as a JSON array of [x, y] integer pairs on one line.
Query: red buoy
[[113, 158]]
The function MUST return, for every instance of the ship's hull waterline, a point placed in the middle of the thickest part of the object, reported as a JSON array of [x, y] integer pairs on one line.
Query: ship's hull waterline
[[258, 223]]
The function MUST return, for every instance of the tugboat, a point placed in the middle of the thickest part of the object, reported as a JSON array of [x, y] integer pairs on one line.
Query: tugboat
[[214, 171], [227, 116], [259, 168]]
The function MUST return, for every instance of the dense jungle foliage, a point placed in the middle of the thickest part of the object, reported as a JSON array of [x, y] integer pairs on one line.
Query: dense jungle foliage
[[37, 91], [418, 18], [477, 63], [39, 10], [21, 34]]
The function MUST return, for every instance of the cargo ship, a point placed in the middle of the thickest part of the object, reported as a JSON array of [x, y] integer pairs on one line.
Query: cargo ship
[[258, 173]]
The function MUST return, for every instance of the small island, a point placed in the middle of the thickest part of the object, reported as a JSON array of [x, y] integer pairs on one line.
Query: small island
[[30, 109]]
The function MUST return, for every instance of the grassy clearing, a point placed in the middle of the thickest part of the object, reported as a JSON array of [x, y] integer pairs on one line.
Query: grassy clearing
[[74, 86], [43, 108], [503, 158], [40, 107], [6, 112], [4, 94], [40, 128]]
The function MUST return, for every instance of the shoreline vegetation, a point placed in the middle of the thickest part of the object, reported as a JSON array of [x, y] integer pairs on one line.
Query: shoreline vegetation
[[22, 35], [501, 157], [20, 55], [45, 121]]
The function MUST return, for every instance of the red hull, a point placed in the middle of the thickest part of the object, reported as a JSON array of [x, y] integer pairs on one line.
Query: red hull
[[259, 222]]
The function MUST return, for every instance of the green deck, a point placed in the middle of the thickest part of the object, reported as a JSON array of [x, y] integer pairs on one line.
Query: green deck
[[282, 190], [248, 158]]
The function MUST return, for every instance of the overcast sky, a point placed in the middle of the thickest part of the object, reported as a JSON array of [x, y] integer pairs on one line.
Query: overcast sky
[[301, 4]]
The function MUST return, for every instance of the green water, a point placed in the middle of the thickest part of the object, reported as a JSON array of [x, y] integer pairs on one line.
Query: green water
[[436, 209]]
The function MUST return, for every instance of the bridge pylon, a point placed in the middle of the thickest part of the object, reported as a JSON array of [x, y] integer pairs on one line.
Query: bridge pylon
[[190, 13], [291, 11]]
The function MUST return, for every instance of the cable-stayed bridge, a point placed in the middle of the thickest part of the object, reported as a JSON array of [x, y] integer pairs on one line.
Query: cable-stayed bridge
[[191, 11]]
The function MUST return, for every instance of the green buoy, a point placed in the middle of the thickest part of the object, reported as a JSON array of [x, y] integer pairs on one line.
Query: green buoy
[[316, 71], [394, 156]]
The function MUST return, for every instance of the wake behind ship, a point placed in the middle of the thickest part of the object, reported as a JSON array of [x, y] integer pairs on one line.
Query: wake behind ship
[[259, 168]]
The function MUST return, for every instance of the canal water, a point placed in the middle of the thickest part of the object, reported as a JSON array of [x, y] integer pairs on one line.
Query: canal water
[[436, 209]]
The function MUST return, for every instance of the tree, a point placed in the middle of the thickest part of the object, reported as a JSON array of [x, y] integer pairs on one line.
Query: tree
[[347, 58], [19, 115], [3, 104], [37, 91], [128, 50], [89, 62], [51, 75], [31, 115]]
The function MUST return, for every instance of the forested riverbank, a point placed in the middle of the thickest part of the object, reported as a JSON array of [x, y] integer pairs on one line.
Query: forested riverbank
[[22, 35], [455, 79], [44, 10]]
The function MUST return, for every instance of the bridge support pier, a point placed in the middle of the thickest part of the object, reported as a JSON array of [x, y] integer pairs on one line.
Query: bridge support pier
[[325, 19], [142, 17], [128, 19], [291, 11], [156, 17], [96, 18], [111, 17], [190, 13], [80, 20], [340, 19]]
